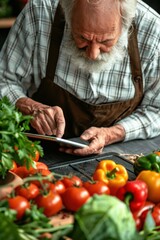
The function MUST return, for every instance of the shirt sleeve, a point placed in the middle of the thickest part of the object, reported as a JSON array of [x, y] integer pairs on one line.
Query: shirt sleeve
[[24, 55], [16, 56], [144, 122]]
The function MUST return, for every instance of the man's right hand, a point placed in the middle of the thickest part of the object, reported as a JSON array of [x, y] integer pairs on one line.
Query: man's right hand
[[46, 119]]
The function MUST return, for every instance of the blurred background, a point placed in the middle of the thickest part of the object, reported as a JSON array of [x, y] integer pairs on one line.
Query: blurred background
[[9, 10]]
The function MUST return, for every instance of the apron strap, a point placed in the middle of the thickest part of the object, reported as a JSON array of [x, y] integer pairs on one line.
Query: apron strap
[[135, 57], [55, 42]]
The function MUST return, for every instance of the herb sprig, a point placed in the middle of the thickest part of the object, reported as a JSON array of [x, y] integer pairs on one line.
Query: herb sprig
[[14, 144]]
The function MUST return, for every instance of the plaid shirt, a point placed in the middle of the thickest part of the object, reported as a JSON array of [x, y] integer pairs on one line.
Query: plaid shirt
[[24, 56]]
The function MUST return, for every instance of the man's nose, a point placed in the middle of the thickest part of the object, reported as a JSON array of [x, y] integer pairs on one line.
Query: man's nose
[[93, 51]]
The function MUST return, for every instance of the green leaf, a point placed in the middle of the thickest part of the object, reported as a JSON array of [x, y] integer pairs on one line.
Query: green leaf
[[8, 230], [13, 124], [149, 223]]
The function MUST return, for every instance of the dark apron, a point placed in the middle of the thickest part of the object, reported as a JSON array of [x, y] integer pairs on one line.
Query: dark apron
[[80, 115]]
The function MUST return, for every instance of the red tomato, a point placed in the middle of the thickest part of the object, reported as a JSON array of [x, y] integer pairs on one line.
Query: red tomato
[[74, 197], [156, 214], [49, 186], [72, 181], [36, 157], [29, 191], [60, 187], [97, 187], [14, 166], [41, 172], [41, 165], [22, 171], [50, 202], [19, 204]]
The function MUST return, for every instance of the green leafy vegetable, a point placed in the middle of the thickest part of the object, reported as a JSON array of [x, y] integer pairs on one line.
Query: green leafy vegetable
[[14, 144], [31, 227], [8, 230], [104, 217]]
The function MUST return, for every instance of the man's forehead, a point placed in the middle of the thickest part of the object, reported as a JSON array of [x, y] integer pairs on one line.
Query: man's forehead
[[97, 26], [86, 16]]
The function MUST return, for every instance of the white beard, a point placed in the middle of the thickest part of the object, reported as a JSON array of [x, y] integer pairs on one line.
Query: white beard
[[103, 62]]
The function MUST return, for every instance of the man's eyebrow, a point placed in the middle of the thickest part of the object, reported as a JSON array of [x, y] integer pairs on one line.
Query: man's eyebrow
[[106, 40], [99, 41]]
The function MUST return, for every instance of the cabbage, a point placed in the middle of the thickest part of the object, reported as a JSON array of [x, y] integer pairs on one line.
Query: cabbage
[[104, 217]]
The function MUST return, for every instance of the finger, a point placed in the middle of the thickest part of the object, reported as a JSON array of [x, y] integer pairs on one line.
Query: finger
[[36, 125], [46, 121], [67, 150], [89, 134], [41, 125], [81, 152], [60, 123], [49, 116]]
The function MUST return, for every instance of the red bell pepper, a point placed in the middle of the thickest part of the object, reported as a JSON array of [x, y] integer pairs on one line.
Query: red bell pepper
[[134, 194]]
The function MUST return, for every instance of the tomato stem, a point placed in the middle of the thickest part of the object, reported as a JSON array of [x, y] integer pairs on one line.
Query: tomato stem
[[53, 229], [38, 177]]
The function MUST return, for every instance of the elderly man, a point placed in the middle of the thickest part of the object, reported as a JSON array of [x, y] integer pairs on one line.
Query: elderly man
[[96, 75]]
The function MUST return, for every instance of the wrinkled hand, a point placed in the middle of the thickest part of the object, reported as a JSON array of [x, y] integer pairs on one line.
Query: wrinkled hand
[[46, 119], [98, 138]]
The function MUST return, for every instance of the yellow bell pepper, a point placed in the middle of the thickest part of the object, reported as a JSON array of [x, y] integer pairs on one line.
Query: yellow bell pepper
[[152, 179], [114, 175]]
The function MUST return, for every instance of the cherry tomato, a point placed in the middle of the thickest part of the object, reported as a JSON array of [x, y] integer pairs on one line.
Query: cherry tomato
[[49, 186], [19, 204], [22, 171], [36, 157], [156, 214], [50, 202], [29, 191], [97, 187], [40, 172], [14, 166], [72, 181], [74, 197], [57, 186], [41, 165], [60, 187]]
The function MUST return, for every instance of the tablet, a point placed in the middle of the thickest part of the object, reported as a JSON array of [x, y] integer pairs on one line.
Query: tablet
[[63, 142]]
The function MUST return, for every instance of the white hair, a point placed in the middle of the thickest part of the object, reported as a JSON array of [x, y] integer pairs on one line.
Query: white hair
[[105, 60], [127, 10]]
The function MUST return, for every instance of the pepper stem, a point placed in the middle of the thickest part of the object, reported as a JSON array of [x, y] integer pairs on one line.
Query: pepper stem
[[128, 198], [112, 174]]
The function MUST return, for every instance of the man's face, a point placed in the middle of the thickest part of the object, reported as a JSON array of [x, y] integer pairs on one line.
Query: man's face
[[93, 39], [95, 35]]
